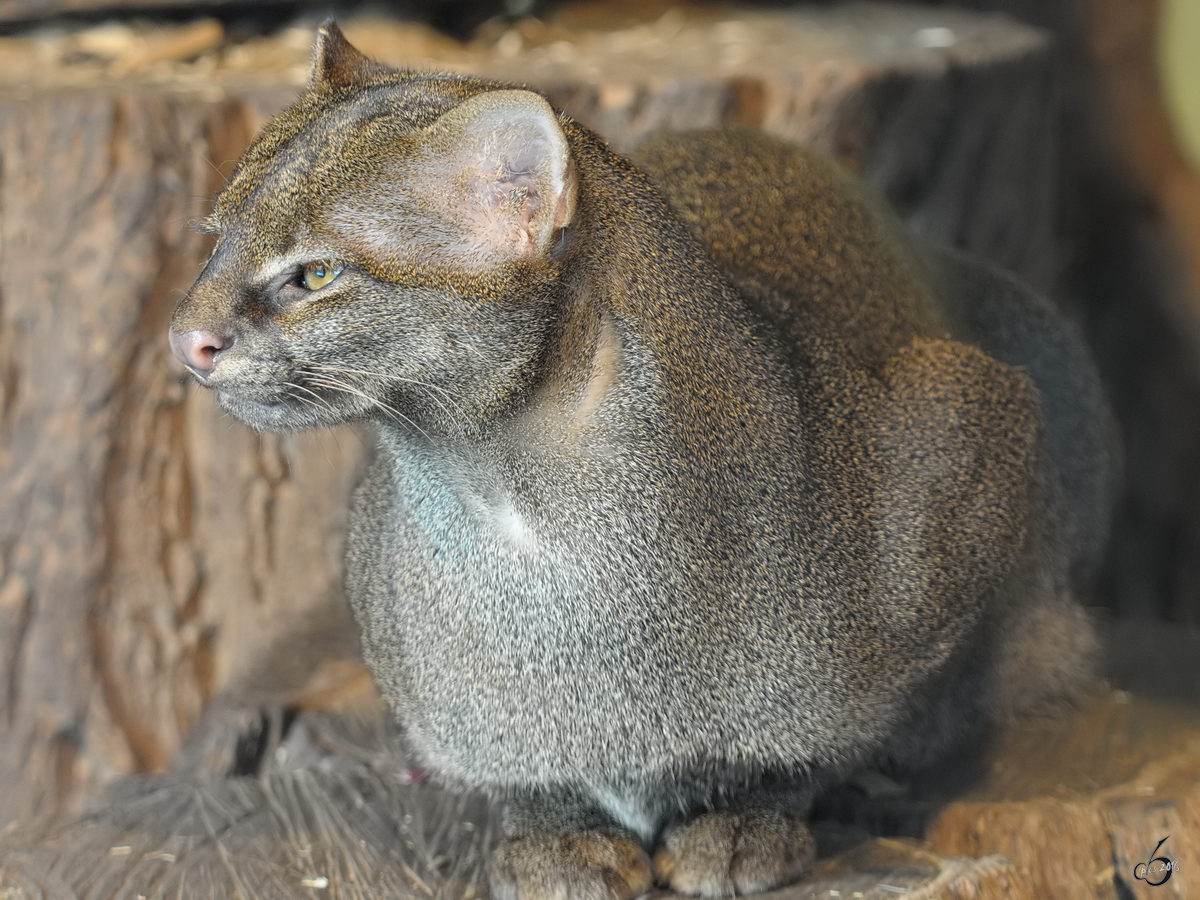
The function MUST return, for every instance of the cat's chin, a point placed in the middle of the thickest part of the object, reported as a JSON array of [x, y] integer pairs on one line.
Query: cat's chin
[[270, 415]]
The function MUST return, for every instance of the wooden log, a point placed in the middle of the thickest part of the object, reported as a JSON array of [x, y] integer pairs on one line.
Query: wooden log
[[155, 555], [1078, 805]]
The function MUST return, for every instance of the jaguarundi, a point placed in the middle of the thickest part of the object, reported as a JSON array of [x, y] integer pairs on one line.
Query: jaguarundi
[[699, 483]]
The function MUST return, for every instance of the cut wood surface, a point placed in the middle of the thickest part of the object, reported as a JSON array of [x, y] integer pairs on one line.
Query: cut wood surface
[[1078, 804], [948, 113]]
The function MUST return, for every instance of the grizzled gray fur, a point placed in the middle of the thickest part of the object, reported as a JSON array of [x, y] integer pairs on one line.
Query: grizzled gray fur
[[697, 486]]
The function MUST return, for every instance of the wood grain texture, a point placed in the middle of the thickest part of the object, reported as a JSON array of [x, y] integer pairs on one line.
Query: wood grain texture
[[1078, 803], [152, 551]]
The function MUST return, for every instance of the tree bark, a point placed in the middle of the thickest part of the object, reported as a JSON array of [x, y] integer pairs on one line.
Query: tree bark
[[151, 548]]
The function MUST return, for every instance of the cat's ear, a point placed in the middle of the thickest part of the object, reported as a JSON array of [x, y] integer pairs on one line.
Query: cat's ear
[[506, 165], [337, 63]]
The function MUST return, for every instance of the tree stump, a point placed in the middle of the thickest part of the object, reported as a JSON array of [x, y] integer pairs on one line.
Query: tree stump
[[156, 557], [1080, 805]]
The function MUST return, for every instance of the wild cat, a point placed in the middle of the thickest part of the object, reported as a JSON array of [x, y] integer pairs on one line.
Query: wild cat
[[696, 485]]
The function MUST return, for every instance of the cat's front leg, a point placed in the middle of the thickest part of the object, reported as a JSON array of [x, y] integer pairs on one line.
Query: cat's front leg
[[559, 846]]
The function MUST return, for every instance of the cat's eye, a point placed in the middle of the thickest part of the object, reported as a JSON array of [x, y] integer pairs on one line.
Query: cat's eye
[[318, 274]]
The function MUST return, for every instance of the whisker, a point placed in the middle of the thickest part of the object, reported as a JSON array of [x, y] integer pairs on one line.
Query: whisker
[[217, 169], [326, 405], [307, 402], [319, 399], [386, 376], [462, 418], [395, 414]]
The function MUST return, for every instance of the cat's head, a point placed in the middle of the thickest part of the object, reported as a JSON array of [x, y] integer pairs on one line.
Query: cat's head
[[388, 247]]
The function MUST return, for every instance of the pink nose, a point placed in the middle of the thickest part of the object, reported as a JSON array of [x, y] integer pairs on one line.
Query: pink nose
[[198, 349]]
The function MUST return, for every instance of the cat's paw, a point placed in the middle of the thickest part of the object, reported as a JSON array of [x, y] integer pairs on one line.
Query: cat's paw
[[727, 854], [585, 865]]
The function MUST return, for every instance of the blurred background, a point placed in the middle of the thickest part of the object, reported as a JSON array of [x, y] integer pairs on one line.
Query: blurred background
[[170, 596]]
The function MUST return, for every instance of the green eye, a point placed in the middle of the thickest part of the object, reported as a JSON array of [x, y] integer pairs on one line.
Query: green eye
[[319, 274]]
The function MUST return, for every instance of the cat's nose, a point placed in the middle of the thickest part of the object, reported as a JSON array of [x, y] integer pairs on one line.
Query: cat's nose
[[198, 349]]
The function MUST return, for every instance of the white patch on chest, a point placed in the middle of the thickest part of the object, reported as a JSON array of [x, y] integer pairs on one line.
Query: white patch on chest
[[629, 811], [513, 526]]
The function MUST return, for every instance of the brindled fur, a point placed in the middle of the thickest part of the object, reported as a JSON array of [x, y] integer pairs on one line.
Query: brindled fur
[[693, 489]]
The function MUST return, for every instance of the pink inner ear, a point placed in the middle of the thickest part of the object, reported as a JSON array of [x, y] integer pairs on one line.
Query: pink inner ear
[[503, 211], [493, 178]]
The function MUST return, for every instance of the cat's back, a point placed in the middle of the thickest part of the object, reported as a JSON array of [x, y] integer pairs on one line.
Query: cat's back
[[825, 260], [800, 238]]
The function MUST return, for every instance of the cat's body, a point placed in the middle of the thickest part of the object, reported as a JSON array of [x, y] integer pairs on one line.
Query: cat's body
[[640, 549]]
